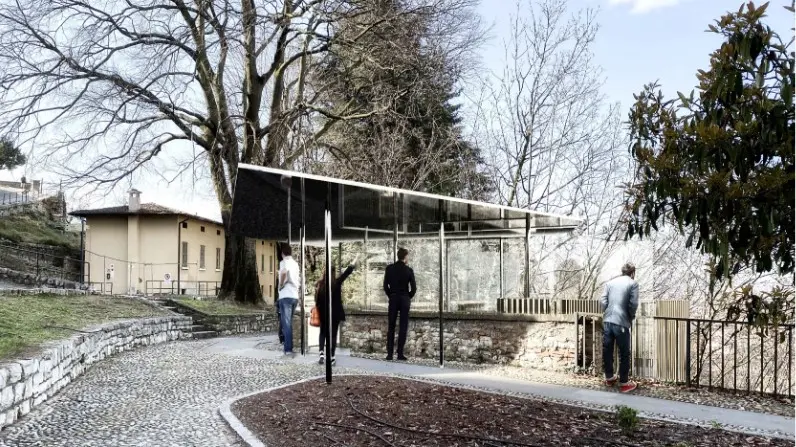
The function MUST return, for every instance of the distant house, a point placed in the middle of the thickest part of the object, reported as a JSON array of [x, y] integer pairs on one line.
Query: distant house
[[146, 248]]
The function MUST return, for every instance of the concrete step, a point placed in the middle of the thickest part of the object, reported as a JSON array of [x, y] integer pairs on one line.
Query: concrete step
[[204, 334]]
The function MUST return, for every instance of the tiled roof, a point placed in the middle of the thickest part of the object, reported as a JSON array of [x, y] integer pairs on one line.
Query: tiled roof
[[146, 209]]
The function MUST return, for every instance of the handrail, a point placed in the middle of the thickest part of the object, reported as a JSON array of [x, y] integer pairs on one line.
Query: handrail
[[702, 320]]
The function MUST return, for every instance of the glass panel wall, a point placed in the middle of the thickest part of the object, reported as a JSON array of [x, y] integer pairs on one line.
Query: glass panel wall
[[473, 275]]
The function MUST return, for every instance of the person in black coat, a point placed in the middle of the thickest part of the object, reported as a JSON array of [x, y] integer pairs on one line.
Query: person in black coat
[[338, 312], [400, 287]]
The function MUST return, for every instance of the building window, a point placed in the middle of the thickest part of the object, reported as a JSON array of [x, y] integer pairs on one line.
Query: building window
[[262, 290], [218, 232], [202, 229], [270, 290], [201, 257], [218, 258], [184, 255], [262, 263], [185, 224], [270, 264]]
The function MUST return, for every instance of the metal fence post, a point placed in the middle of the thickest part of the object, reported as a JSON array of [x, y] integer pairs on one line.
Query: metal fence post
[[688, 352]]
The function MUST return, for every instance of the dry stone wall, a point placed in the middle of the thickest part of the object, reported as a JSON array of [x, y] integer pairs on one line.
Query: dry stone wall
[[543, 343], [25, 384], [232, 324]]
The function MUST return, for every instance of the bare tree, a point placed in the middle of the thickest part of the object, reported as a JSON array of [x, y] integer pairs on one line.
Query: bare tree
[[553, 142], [105, 88]]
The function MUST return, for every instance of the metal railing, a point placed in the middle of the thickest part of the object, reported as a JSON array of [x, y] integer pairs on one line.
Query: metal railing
[[730, 355], [197, 288], [103, 288], [43, 264]]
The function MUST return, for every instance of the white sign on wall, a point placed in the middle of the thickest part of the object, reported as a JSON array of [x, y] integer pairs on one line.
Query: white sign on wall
[[167, 278]]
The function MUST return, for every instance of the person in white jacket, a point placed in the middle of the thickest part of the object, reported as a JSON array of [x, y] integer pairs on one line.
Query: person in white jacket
[[289, 279]]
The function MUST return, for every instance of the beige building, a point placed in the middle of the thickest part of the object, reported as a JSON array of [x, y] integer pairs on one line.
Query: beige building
[[145, 248]]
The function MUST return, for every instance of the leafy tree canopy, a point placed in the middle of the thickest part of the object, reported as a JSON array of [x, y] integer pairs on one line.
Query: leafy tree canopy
[[10, 155], [719, 164]]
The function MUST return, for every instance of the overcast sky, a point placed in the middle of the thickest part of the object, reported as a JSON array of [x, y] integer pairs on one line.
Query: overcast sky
[[639, 41]]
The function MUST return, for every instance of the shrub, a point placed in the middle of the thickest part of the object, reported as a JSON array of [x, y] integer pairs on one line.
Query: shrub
[[627, 419]]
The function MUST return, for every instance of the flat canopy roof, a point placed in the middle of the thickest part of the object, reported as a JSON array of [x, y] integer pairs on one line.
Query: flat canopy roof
[[260, 207]]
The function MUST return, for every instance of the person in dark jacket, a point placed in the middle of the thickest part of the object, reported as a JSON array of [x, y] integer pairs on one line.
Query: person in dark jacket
[[400, 287], [338, 312]]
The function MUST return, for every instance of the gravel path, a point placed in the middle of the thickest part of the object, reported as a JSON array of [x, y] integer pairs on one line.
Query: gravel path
[[702, 396], [166, 395]]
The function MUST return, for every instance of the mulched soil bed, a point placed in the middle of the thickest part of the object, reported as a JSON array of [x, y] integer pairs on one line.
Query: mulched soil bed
[[360, 411], [757, 403]]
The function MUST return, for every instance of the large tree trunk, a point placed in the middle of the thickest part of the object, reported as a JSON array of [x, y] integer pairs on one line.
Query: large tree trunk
[[239, 281]]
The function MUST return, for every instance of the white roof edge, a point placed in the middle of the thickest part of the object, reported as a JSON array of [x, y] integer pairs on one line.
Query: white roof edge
[[398, 190]]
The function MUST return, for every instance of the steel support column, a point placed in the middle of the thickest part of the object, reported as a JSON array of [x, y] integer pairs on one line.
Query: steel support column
[[328, 238], [441, 291], [303, 288], [527, 256]]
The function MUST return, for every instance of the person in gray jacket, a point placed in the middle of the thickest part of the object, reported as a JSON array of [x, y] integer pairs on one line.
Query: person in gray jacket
[[619, 302]]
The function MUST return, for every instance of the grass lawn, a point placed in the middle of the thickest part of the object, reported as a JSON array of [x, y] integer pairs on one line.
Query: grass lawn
[[27, 321], [34, 228], [217, 307]]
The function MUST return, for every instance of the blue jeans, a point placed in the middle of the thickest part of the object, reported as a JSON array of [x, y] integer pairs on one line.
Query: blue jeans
[[621, 335], [287, 306]]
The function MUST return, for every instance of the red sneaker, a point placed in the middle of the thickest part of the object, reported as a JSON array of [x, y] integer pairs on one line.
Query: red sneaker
[[627, 387], [612, 381]]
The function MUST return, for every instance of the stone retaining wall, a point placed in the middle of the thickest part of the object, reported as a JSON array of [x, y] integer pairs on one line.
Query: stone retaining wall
[[24, 384], [534, 342], [232, 324], [30, 279]]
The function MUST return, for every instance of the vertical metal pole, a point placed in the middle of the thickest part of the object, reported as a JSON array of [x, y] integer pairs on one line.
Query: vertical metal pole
[[762, 365], [82, 251], [790, 360], [287, 182], [688, 352], [441, 289], [735, 358], [776, 354], [748, 358], [328, 238], [365, 271], [179, 257], [699, 359], [500, 261], [395, 227], [302, 249], [577, 339], [722, 353], [447, 277], [527, 256], [710, 355], [677, 377]]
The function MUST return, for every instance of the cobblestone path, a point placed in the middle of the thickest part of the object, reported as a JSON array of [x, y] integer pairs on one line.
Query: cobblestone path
[[166, 395]]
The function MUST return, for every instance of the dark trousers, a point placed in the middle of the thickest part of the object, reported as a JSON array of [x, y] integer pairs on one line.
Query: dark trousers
[[322, 337], [613, 333], [398, 305]]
